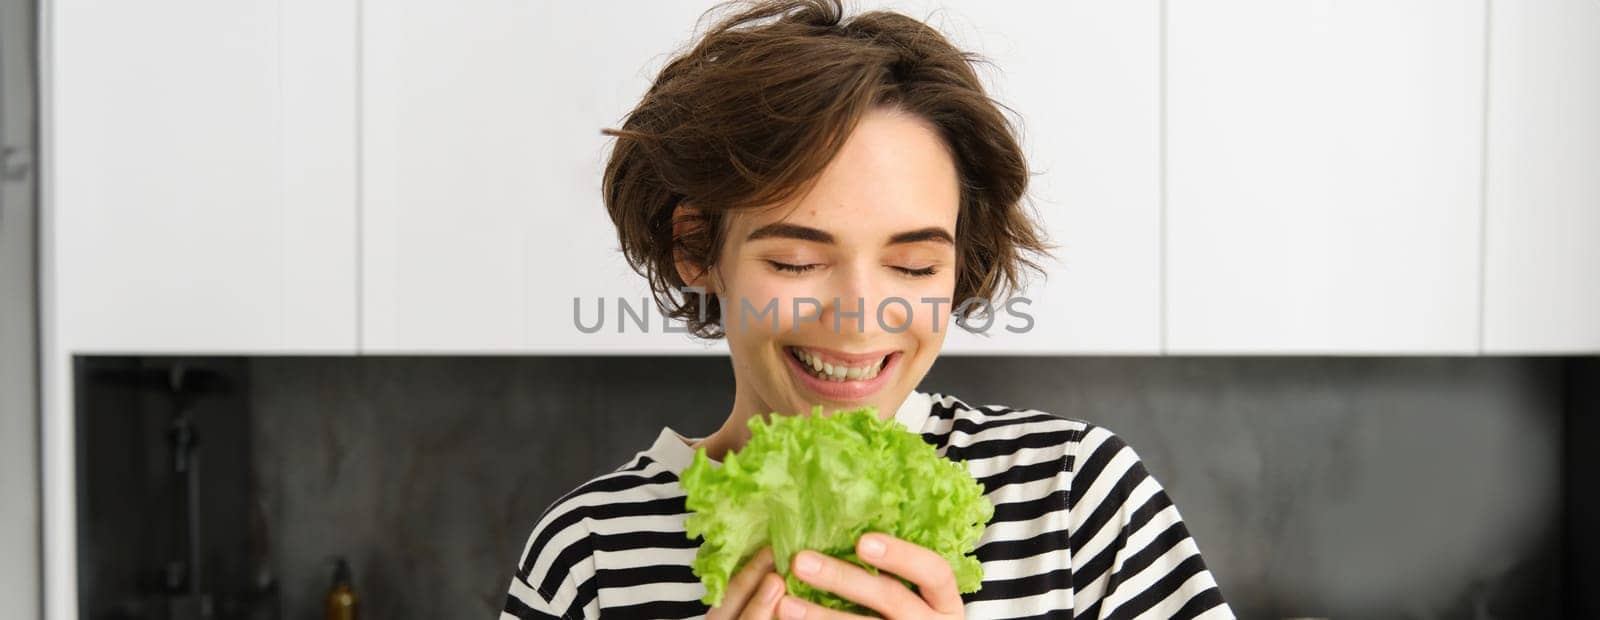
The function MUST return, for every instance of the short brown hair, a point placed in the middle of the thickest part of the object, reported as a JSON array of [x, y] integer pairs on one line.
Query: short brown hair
[[752, 114]]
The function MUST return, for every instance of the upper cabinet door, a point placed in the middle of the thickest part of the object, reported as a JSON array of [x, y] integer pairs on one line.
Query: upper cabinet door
[[483, 156], [1542, 254], [482, 214], [202, 161], [1324, 176], [1085, 79]]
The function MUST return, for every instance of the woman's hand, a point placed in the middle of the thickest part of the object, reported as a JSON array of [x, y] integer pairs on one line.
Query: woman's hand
[[882, 593], [753, 593]]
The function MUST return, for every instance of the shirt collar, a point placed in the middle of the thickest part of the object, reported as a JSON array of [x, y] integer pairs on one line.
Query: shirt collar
[[672, 449]]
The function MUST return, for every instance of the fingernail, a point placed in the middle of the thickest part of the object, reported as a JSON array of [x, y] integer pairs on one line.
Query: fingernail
[[871, 547], [771, 592], [806, 563], [791, 609]]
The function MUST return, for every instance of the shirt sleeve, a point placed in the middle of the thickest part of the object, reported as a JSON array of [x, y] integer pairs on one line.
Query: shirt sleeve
[[1132, 556], [554, 578]]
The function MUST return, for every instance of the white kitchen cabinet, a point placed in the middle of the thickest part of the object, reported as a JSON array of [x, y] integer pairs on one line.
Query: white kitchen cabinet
[[1085, 78], [482, 218], [412, 177], [202, 171], [1542, 242], [1323, 176]]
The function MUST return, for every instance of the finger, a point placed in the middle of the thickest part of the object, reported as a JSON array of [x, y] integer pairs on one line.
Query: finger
[[743, 585], [878, 592], [792, 608], [917, 564], [764, 604]]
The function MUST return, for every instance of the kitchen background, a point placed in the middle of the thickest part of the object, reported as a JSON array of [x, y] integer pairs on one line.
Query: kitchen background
[[1421, 487], [1332, 268]]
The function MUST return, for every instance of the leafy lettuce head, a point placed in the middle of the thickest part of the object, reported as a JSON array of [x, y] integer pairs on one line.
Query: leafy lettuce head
[[820, 482]]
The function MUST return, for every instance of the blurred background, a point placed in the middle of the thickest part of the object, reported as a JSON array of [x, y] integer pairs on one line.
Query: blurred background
[[290, 284]]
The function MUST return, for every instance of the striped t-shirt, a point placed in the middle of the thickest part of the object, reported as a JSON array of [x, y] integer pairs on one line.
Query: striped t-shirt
[[1080, 528]]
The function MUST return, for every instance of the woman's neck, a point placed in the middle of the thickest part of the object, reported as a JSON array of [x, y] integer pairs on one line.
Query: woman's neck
[[735, 431]]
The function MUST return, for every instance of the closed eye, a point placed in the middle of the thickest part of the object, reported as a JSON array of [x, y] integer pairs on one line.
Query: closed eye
[[917, 272], [791, 268]]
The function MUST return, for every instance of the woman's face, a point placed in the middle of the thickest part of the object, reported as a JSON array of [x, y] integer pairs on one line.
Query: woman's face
[[848, 275]]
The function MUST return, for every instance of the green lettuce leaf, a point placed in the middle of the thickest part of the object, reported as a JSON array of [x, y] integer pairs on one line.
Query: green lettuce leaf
[[820, 482]]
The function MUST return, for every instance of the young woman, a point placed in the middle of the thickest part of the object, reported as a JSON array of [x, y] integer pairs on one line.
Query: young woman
[[778, 183]]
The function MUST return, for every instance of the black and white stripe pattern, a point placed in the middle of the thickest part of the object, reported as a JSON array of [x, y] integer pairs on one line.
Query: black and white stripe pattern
[[1080, 529]]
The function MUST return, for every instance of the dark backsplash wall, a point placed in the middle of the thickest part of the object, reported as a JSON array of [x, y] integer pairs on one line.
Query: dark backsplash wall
[[1580, 479], [1341, 487], [1337, 487]]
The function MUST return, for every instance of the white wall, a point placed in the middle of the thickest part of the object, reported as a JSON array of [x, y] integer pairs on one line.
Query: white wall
[[19, 431]]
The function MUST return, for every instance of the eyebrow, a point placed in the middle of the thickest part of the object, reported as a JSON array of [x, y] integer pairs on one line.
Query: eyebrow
[[807, 233], [931, 233]]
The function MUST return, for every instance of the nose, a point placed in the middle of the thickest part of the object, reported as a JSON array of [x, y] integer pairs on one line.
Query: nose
[[862, 302]]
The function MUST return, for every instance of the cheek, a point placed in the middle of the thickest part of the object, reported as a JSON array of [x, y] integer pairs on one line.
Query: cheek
[[752, 299], [926, 316], [756, 298]]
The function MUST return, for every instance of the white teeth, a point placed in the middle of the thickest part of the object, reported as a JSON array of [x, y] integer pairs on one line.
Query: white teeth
[[829, 372]]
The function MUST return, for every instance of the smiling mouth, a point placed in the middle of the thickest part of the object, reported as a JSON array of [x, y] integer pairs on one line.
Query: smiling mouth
[[816, 367]]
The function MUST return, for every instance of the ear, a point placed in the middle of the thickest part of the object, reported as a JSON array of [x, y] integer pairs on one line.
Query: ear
[[689, 226]]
